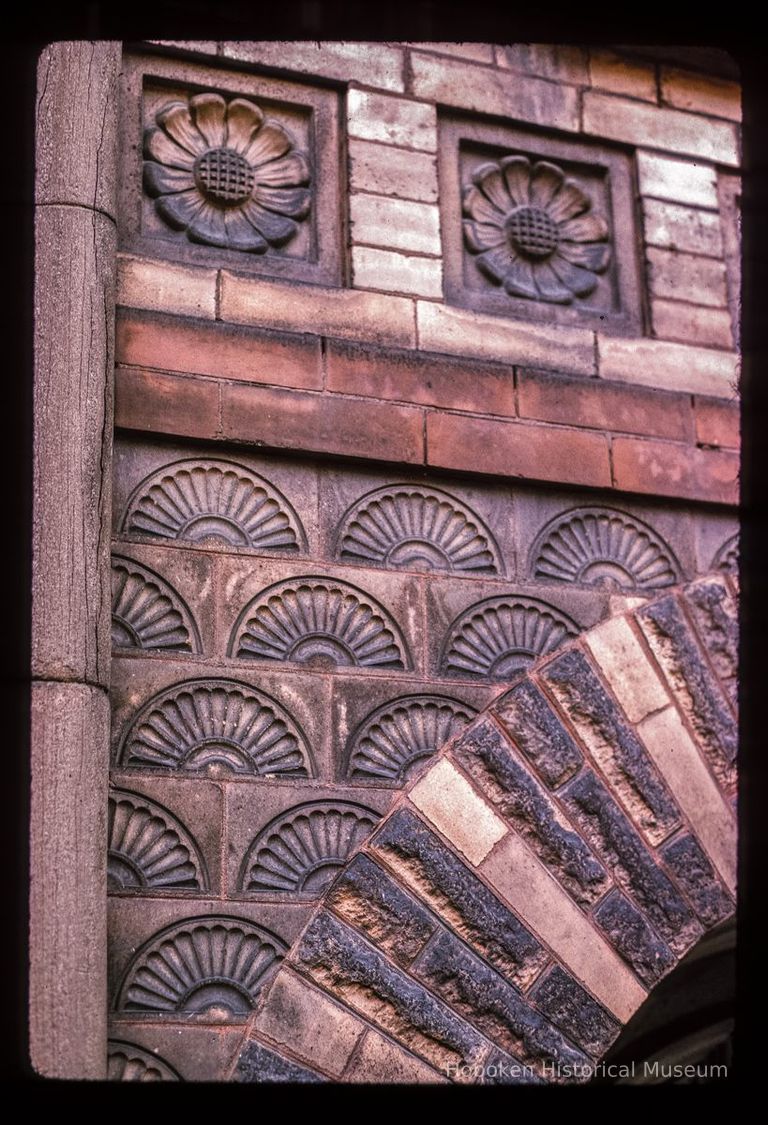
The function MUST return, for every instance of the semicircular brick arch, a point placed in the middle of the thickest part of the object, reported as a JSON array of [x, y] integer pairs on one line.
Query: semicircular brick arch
[[530, 887]]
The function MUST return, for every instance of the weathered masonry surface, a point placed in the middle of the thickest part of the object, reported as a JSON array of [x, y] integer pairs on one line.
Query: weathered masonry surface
[[425, 368]]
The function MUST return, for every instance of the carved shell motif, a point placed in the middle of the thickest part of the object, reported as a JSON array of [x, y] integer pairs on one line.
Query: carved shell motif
[[603, 547], [213, 501], [319, 622], [147, 613], [727, 558], [397, 736], [148, 847], [301, 851], [212, 965], [204, 725], [417, 528], [128, 1063], [500, 636]]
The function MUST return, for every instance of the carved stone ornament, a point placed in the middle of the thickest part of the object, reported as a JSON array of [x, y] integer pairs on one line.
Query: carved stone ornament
[[128, 1063], [226, 174], [532, 230], [501, 636], [402, 733]]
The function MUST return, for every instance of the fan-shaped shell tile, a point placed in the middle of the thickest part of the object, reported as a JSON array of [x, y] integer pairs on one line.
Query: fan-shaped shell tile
[[727, 558], [501, 636], [149, 847], [300, 851], [147, 613], [603, 547], [320, 622], [214, 965], [393, 738], [209, 725], [415, 528], [128, 1063], [213, 501]]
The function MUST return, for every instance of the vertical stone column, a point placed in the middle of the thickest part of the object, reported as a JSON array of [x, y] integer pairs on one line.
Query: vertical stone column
[[75, 258]]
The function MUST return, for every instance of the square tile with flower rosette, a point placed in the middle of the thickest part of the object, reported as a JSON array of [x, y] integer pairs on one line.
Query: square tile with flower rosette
[[229, 168], [538, 227]]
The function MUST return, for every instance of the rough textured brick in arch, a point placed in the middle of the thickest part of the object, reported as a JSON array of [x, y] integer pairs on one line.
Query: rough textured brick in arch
[[530, 886]]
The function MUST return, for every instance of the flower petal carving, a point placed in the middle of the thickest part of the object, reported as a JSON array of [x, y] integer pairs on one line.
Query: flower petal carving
[[147, 613], [214, 726], [500, 636], [603, 547], [213, 501], [320, 622], [301, 850], [413, 527]]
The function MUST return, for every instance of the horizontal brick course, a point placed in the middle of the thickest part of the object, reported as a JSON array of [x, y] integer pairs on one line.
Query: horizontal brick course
[[717, 423], [394, 121], [336, 312], [675, 470], [687, 277], [695, 324], [370, 64], [675, 367], [700, 94], [682, 181], [202, 348], [397, 224], [598, 405], [516, 449], [166, 404], [460, 84], [322, 423], [632, 122], [166, 287], [452, 384], [459, 331], [672, 226], [609, 71], [558, 62], [478, 52], [396, 273], [387, 170]]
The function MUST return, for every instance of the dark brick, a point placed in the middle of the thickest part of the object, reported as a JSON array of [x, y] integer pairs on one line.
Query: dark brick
[[496, 1008], [715, 615], [695, 686], [367, 898], [462, 899], [566, 1004], [260, 1064], [503, 1070], [617, 749], [362, 977], [626, 928], [488, 758], [612, 835], [529, 718], [697, 877]]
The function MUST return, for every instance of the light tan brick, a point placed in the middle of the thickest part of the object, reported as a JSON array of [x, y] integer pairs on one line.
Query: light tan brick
[[380, 1060], [701, 94], [461, 332], [629, 671], [386, 170], [397, 273], [620, 119], [300, 1017], [447, 799], [396, 224], [673, 367], [609, 71], [684, 181], [674, 752], [478, 52], [460, 84], [371, 64], [687, 277], [348, 313], [521, 879], [394, 121], [674, 227], [674, 320], [559, 62], [166, 287]]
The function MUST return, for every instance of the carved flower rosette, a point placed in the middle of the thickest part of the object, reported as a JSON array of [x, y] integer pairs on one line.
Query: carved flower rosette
[[532, 231], [225, 174]]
